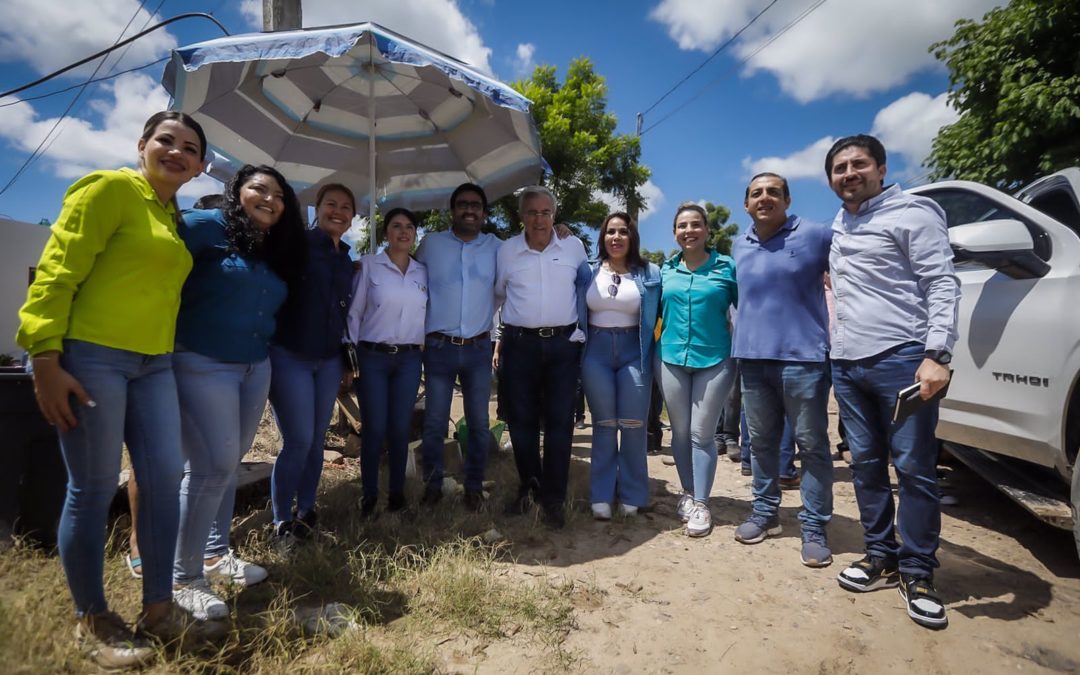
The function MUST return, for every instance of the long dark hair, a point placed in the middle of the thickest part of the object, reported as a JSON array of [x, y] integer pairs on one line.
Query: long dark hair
[[633, 256], [283, 246]]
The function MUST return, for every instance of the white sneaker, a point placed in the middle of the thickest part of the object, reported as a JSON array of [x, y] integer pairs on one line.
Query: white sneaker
[[601, 511], [700, 522], [686, 505], [197, 599], [234, 570], [628, 509]]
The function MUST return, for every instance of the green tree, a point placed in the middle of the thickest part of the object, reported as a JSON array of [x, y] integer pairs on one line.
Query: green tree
[[586, 156], [1015, 80], [579, 142], [656, 257], [720, 232]]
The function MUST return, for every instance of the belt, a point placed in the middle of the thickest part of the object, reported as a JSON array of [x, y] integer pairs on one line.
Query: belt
[[546, 332], [388, 348], [460, 341]]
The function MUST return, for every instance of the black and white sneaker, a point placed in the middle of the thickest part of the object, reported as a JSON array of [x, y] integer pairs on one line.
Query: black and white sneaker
[[869, 574], [924, 605]]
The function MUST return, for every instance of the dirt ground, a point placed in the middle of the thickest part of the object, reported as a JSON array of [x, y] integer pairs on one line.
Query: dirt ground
[[656, 601]]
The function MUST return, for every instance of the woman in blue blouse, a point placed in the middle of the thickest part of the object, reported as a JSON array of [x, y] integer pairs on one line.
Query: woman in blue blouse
[[621, 301], [243, 255], [306, 354], [386, 321], [693, 361]]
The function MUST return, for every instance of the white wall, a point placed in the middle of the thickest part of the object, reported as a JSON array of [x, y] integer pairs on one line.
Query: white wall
[[20, 248]]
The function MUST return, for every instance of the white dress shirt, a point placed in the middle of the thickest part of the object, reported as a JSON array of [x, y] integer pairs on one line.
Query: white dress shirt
[[537, 288], [388, 306]]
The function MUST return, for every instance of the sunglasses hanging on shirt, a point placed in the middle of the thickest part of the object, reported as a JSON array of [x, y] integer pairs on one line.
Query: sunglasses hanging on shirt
[[613, 289]]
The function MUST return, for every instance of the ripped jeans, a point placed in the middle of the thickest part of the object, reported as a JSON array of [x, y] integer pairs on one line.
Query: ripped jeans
[[618, 389]]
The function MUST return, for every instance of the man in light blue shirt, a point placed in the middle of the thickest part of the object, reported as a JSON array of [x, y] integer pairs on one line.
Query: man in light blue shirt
[[896, 298], [781, 341], [461, 288]]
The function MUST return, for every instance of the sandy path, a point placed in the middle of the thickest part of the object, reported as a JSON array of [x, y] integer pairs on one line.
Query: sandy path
[[649, 599]]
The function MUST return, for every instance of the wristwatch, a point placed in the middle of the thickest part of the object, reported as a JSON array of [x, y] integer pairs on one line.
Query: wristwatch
[[939, 355]]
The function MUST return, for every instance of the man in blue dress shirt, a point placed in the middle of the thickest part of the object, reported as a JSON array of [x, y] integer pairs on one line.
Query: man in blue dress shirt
[[896, 298], [781, 341], [461, 303]]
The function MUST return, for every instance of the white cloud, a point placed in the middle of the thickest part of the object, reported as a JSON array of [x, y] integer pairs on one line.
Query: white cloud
[[808, 162], [50, 35], [435, 23], [523, 61], [654, 199], [908, 125], [856, 48], [80, 145]]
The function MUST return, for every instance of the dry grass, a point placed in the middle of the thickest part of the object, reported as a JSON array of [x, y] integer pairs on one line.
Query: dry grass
[[407, 582]]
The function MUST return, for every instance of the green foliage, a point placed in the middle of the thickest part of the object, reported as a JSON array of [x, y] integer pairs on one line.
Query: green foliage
[[720, 232], [579, 142], [1015, 79], [656, 257]]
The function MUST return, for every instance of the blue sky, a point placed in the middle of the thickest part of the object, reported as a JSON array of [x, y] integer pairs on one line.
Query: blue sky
[[772, 100]]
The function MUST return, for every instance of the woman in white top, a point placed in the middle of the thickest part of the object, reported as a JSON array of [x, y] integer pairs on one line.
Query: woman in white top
[[386, 320], [621, 303]]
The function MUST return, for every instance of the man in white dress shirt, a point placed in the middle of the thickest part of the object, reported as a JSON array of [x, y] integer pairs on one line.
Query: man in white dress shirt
[[536, 283]]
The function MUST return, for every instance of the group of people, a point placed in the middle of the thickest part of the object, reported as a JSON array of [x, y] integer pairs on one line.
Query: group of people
[[169, 331]]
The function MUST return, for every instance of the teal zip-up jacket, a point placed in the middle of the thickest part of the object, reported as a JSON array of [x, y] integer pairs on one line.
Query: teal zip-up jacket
[[694, 311]]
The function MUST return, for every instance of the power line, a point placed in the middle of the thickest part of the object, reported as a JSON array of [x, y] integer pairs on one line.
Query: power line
[[741, 62], [103, 52], [60, 120], [93, 81], [719, 49]]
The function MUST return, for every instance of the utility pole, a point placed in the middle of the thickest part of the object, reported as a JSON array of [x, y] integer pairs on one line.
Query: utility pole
[[282, 15]]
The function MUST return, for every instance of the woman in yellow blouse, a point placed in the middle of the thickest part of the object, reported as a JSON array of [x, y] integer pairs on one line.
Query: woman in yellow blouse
[[99, 323]]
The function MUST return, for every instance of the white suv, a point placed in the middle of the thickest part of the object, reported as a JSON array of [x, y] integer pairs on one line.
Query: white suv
[[1013, 409]]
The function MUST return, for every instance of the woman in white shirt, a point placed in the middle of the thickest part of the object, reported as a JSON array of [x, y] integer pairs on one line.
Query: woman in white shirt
[[621, 303], [386, 320]]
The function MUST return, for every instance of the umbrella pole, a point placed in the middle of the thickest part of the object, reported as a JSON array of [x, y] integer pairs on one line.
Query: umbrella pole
[[371, 158]]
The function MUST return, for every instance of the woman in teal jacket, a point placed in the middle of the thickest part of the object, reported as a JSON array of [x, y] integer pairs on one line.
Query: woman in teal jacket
[[618, 308], [694, 368]]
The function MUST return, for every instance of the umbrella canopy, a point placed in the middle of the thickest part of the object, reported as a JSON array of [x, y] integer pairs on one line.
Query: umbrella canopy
[[398, 122]]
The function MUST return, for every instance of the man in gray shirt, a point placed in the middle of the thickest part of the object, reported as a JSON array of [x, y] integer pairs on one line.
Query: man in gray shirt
[[896, 299]]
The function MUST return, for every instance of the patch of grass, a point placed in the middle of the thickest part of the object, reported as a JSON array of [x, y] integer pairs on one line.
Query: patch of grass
[[405, 581]]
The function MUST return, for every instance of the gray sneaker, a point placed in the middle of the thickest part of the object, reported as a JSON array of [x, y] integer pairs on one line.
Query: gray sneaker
[[686, 505], [756, 528], [700, 522], [196, 598], [734, 452], [815, 549]]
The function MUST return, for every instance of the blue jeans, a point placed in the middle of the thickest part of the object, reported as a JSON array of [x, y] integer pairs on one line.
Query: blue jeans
[[302, 391], [787, 448], [137, 405], [694, 397], [387, 390], [618, 393], [541, 376], [798, 393], [220, 408], [443, 363], [866, 393]]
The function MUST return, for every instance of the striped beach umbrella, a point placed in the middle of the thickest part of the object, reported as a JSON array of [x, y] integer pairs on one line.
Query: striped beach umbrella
[[398, 122]]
